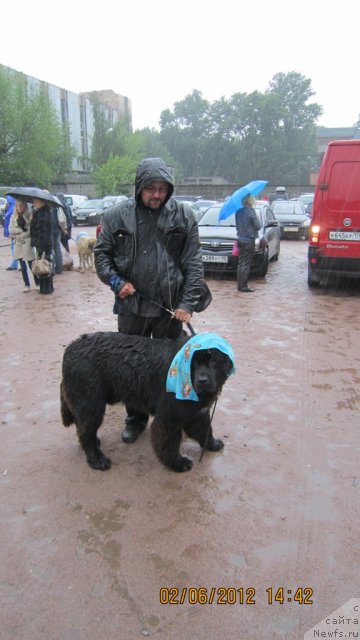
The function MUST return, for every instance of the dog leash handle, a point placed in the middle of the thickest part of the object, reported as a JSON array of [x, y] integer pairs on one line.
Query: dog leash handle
[[191, 329]]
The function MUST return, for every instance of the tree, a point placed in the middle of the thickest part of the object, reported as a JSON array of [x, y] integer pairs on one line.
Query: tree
[[269, 135], [34, 147], [116, 172], [124, 150], [184, 131], [297, 125]]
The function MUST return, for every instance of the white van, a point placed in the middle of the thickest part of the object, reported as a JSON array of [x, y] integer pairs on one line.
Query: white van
[[73, 201]]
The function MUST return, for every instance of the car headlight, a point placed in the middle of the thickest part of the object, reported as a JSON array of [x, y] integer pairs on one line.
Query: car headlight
[[257, 243], [93, 214], [306, 223]]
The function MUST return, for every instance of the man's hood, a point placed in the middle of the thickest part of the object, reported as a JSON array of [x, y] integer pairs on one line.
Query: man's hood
[[149, 170]]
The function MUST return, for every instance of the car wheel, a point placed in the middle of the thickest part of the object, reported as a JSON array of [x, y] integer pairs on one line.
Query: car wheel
[[313, 281], [276, 255], [265, 264]]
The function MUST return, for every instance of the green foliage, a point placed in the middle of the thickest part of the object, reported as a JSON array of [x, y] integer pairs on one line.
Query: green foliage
[[116, 158], [34, 148], [116, 172], [269, 136]]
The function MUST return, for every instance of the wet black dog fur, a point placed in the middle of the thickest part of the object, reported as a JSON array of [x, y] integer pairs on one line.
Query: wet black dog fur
[[109, 368]]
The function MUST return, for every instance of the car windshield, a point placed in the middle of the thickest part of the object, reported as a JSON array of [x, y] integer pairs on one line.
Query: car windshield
[[206, 203], [288, 207], [306, 198], [211, 218], [91, 204]]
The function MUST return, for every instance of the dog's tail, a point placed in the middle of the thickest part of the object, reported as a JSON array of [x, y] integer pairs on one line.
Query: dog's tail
[[66, 415]]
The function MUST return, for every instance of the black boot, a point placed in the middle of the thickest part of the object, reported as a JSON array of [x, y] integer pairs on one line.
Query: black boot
[[135, 424]]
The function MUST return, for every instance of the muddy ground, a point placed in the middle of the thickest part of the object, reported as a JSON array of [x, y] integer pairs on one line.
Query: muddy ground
[[84, 554]]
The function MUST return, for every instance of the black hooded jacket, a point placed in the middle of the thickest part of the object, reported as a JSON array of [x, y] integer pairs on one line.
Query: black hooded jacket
[[177, 252]]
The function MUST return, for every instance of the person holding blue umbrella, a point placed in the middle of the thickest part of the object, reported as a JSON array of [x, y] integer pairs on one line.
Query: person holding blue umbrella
[[247, 227]]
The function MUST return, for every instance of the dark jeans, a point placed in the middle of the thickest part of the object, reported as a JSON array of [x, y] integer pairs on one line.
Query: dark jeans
[[65, 242], [46, 284], [246, 252], [161, 327], [24, 271], [57, 254]]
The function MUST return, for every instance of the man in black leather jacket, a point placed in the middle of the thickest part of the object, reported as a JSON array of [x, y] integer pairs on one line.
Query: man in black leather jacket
[[149, 253]]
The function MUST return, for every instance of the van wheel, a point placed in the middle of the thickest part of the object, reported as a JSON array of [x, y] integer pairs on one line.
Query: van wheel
[[265, 264], [313, 281]]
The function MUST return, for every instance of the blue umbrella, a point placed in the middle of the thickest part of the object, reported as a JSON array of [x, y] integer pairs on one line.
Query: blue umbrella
[[235, 201]]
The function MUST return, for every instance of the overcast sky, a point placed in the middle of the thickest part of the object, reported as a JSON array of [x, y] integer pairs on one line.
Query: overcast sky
[[156, 53]]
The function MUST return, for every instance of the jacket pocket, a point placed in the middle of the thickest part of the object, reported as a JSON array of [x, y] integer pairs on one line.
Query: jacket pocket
[[124, 242], [174, 242]]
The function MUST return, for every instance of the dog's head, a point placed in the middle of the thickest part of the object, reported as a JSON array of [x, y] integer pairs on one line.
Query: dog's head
[[91, 243], [210, 369], [86, 244], [201, 366], [81, 234]]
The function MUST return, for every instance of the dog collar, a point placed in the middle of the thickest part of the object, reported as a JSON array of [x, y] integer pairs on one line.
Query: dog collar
[[179, 375]]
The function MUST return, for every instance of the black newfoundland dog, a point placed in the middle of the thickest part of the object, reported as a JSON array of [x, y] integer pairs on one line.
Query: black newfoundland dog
[[108, 368]]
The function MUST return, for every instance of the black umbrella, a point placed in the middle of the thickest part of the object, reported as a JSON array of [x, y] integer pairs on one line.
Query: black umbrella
[[33, 192]]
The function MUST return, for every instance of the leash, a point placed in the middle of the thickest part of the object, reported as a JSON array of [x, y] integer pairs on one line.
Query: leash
[[193, 333], [208, 431], [171, 311]]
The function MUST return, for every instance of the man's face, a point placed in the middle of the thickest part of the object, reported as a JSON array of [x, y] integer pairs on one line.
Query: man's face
[[38, 203], [154, 194]]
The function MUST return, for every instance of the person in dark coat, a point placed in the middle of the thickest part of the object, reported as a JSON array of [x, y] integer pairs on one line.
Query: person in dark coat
[[149, 253], [65, 235], [42, 238], [247, 227]]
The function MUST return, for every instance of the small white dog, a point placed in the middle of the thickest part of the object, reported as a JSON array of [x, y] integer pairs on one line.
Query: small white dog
[[85, 248]]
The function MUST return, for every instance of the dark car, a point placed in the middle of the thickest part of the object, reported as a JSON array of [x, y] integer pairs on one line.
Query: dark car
[[291, 214], [217, 240], [90, 211]]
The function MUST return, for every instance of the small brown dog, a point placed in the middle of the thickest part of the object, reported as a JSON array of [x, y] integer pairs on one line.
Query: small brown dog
[[85, 248]]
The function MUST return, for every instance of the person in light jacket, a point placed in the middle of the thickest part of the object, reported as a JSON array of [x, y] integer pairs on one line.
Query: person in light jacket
[[19, 229], [247, 227]]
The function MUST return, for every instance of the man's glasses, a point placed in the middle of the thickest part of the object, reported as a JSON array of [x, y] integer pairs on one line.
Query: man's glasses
[[160, 190]]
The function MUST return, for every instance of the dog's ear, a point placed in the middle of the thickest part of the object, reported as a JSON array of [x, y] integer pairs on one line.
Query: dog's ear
[[223, 361]]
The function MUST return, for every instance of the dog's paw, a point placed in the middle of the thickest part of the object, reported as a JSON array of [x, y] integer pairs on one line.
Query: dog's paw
[[100, 463], [215, 444], [181, 464]]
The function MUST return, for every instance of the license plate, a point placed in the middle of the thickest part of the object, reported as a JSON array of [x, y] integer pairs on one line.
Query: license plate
[[345, 235], [215, 259], [287, 229]]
